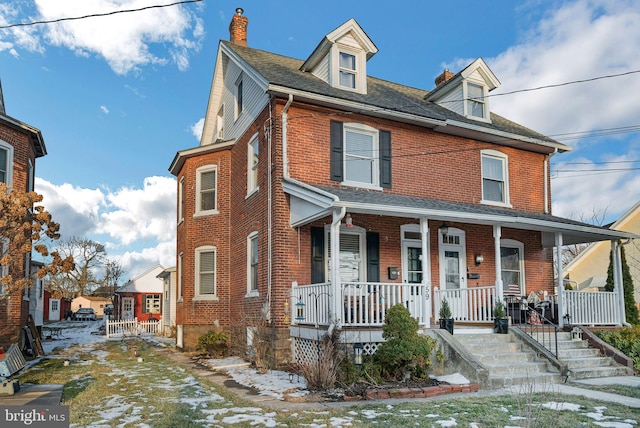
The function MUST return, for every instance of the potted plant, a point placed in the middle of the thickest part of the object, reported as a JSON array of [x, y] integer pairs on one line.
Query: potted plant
[[446, 320], [500, 320]]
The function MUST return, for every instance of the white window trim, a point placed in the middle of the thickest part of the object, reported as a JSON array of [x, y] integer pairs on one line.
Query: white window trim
[[251, 292], [375, 155], [179, 284], [505, 174], [181, 201], [199, 171], [30, 177], [512, 243], [197, 295], [251, 173], [485, 101], [9, 148], [360, 71], [239, 95]]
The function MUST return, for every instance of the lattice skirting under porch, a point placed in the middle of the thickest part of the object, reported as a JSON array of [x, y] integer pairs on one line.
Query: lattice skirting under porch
[[306, 351]]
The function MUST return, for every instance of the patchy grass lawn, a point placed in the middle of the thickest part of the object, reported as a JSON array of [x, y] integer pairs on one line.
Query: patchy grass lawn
[[105, 385]]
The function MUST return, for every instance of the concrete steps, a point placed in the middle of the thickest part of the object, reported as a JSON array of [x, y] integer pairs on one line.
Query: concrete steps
[[508, 361], [584, 362]]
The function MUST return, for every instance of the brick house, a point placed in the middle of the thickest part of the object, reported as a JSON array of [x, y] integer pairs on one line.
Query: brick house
[[20, 145], [424, 194]]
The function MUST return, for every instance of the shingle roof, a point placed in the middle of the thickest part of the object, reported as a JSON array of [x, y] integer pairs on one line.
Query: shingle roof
[[285, 71]]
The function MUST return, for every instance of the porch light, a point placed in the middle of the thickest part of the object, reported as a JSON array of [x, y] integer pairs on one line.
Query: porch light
[[348, 221], [358, 354], [479, 259], [290, 377], [300, 310], [444, 228]]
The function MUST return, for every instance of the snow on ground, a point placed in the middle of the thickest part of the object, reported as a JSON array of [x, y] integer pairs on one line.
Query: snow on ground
[[81, 338]]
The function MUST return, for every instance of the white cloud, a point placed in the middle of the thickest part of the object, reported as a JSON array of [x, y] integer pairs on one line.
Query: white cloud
[[104, 109], [140, 222], [126, 41], [196, 129], [578, 40]]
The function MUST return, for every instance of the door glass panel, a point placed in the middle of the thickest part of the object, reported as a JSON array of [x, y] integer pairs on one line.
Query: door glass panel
[[414, 265], [511, 277], [452, 270]]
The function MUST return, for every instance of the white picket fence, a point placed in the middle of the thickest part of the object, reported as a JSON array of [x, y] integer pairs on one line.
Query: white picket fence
[[121, 328]]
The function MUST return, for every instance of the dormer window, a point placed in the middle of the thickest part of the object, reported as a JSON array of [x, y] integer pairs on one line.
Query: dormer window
[[347, 70], [475, 101]]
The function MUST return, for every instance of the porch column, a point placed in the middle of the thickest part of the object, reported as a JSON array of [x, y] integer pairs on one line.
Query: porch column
[[561, 312], [426, 271], [497, 234], [618, 286], [336, 303]]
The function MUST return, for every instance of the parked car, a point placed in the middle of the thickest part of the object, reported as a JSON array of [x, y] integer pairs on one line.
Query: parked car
[[108, 309], [85, 314]]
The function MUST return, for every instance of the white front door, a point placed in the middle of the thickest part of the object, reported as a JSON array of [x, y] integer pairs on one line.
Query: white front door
[[54, 309], [453, 271], [127, 308]]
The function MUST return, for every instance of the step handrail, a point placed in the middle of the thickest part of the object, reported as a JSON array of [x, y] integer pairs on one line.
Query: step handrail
[[537, 326]]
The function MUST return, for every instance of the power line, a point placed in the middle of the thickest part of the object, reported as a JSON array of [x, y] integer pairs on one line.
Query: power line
[[95, 15]]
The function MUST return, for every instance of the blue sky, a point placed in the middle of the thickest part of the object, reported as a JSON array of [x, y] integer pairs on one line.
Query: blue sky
[[115, 97]]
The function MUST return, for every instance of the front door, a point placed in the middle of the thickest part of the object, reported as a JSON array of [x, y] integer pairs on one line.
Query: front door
[[127, 308], [453, 271]]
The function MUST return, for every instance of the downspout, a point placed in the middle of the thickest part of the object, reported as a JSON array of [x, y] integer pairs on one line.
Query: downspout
[[269, 218], [285, 118], [335, 266], [620, 284], [497, 234], [426, 271]]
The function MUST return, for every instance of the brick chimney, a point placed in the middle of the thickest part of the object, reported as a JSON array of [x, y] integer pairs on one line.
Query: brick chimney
[[238, 28], [446, 75]]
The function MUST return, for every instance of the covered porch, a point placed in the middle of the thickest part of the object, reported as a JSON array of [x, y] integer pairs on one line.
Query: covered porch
[[355, 298]]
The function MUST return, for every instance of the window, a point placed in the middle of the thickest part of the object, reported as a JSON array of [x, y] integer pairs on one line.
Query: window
[[512, 261], [151, 304], [180, 277], [6, 163], [220, 124], [206, 272], [475, 102], [206, 189], [181, 200], [54, 305], [252, 164], [351, 254], [30, 177], [252, 263], [495, 183], [347, 67], [360, 155], [239, 97]]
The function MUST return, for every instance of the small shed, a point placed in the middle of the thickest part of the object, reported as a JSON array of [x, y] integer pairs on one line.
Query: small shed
[[141, 297]]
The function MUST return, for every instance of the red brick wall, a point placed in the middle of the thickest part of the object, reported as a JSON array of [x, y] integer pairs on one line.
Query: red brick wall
[[449, 167], [14, 312]]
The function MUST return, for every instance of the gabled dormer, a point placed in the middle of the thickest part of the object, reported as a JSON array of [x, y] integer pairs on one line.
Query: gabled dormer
[[341, 58], [466, 93]]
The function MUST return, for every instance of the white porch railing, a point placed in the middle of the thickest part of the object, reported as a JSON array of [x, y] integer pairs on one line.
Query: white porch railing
[[467, 304], [120, 328], [592, 307], [362, 304]]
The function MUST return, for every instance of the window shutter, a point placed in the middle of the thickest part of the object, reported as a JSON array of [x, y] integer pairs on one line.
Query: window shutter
[[373, 257], [385, 159], [336, 150], [317, 255]]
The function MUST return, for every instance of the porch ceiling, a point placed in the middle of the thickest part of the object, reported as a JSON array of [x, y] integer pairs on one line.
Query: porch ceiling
[[309, 203]]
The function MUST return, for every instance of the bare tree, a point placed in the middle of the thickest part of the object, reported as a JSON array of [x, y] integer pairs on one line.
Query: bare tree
[[90, 259], [113, 276]]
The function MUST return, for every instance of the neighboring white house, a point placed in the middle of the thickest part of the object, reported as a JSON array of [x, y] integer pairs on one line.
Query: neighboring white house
[[141, 297], [168, 277]]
